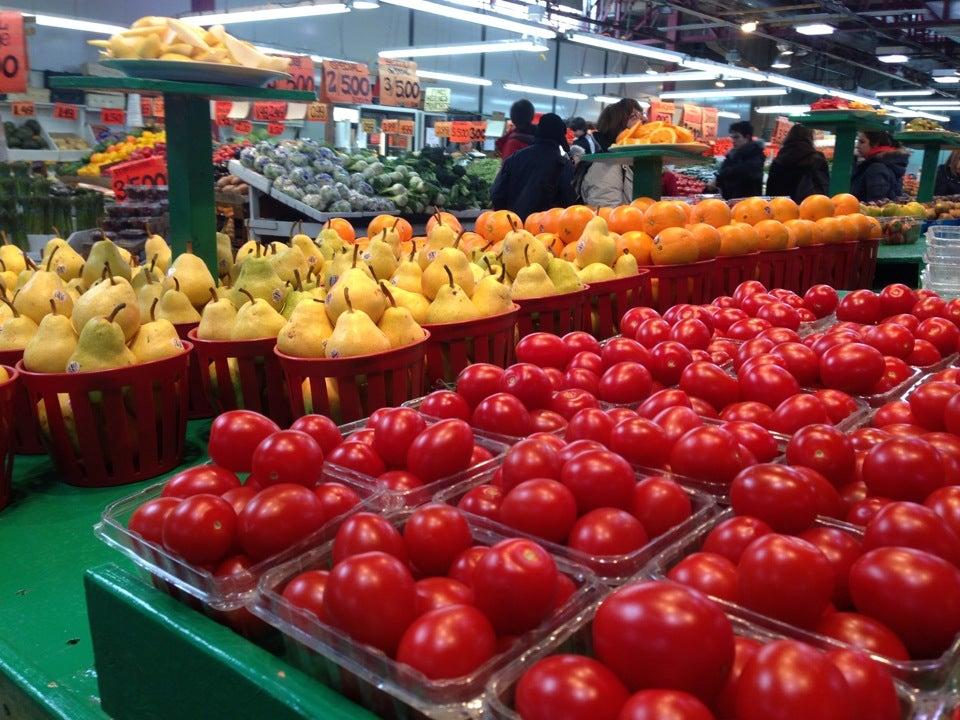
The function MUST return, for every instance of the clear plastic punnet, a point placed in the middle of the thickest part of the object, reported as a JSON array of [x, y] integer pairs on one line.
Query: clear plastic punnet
[[375, 681]]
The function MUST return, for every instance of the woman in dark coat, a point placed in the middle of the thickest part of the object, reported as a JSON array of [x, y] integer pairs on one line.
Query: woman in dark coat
[[948, 176], [799, 169], [879, 175]]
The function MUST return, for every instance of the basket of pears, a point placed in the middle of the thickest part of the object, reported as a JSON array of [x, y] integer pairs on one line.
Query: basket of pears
[[9, 388], [615, 281], [109, 389], [462, 299]]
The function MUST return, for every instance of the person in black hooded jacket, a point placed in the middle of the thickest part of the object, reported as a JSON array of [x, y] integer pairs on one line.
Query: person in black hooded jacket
[[799, 169], [879, 175], [741, 173]]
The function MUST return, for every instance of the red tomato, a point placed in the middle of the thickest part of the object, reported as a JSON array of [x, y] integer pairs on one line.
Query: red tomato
[[546, 421], [483, 500], [829, 340], [593, 424], [800, 360], [862, 439], [910, 322], [573, 687], [660, 504], [924, 354], [727, 317], [895, 371], [581, 379], [372, 598], [896, 299], [769, 384], [599, 478], [780, 335], [448, 642], [951, 416], [623, 349], [580, 341], [641, 442], [434, 537], [445, 404], [838, 404], [904, 524], [708, 382], [758, 440], [825, 449], [862, 306], [731, 537], [872, 692], [894, 412], [401, 481], [667, 361], [851, 367], [367, 532], [502, 413], [952, 311], [755, 412], [463, 567], [632, 318], [658, 704], [201, 529], [277, 518], [821, 300], [443, 449], [147, 520], [336, 499], [320, 428], [394, 432], [691, 333], [862, 511], [528, 383], [842, 549], [663, 635], [544, 350], [359, 457], [289, 456], [829, 502], [556, 380], [777, 495], [530, 459], [752, 303], [929, 401], [652, 331], [541, 507], [619, 414], [567, 402], [607, 531], [625, 382], [863, 633], [436, 592], [744, 650], [747, 329], [306, 590], [903, 468], [797, 412], [707, 453], [746, 289], [514, 584], [703, 408], [890, 339], [586, 361], [478, 381], [945, 502], [235, 434], [661, 400], [200, 480], [941, 333], [709, 573], [780, 315], [676, 421]]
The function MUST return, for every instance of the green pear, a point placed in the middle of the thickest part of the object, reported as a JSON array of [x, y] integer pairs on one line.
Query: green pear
[[364, 291], [408, 275], [224, 255], [491, 296], [397, 323], [380, 257], [52, 344], [216, 322], [110, 292], [259, 278], [69, 263], [44, 286], [355, 333], [103, 252], [101, 345], [157, 247], [531, 281], [16, 331], [597, 272], [287, 261], [296, 296], [563, 275], [329, 242], [193, 277], [626, 265], [596, 245], [451, 304], [256, 319], [158, 338], [306, 332], [441, 236], [449, 259], [174, 307]]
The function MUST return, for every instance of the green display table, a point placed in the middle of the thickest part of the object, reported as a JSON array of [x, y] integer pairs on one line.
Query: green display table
[[189, 148], [900, 263], [844, 124], [647, 162], [159, 658], [931, 143]]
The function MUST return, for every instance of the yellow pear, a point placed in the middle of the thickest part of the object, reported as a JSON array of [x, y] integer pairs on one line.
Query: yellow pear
[[69, 263], [597, 272], [44, 286], [408, 275], [216, 322], [532, 281], [596, 245], [157, 339], [256, 319], [452, 260], [174, 307], [491, 296], [16, 331], [104, 252], [397, 322], [101, 345], [306, 332], [626, 265], [13, 257], [451, 304], [355, 333], [193, 277], [440, 236], [157, 246], [380, 257], [521, 248], [365, 293], [104, 296], [52, 345]]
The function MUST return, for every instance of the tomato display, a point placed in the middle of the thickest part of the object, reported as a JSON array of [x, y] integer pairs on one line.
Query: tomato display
[[569, 686], [448, 642], [514, 583]]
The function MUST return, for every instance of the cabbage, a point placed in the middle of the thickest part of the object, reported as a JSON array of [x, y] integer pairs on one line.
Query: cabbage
[[341, 177], [297, 159], [342, 190], [273, 170], [355, 179], [364, 187], [260, 163], [311, 188], [314, 201], [324, 178], [340, 206], [300, 176], [248, 157], [329, 194]]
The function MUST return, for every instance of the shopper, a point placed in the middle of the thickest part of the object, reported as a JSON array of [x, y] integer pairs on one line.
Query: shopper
[[521, 134], [948, 176], [538, 177], [799, 169], [603, 184], [741, 173], [583, 138], [879, 175]]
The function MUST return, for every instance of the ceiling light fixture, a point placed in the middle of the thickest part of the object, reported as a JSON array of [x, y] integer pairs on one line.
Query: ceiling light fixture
[[628, 48], [815, 29], [904, 93], [895, 58], [781, 109], [928, 103], [272, 12], [749, 27], [494, 21], [726, 92], [946, 79], [720, 83], [644, 78], [728, 71], [730, 115], [66, 23], [466, 49], [550, 92], [781, 62], [454, 78]]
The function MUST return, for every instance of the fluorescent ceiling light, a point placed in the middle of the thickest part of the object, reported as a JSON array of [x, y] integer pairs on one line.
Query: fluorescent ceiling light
[[946, 79], [749, 27], [781, 109], [451, 77], [466, 49], [928, 103], [272, 12], [66, 23], [628, 48], [725, 114], [815, 89], [727, 71], [780, 63], [942, 108], [901, 112], [494, 21], [893, 58], [641, 79], [550, 92], [904, 93], [606, 99], [815, 29], [726, 92], [365, 4]]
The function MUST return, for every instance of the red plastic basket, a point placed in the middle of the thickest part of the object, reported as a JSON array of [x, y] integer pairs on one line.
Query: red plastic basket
[[557, 314], [781, 269], [865, 263], [243, 374], [671, 285], [608, 300], [811, 263], [26, 429], [121, 426], [9, 390], [837, 269], [731, 270], [350, 388], [453, 346], [198, 404]]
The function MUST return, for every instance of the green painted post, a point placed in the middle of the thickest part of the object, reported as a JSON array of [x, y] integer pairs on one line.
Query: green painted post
[[190, 177], [648, 177], [842, 169], [928, 171]]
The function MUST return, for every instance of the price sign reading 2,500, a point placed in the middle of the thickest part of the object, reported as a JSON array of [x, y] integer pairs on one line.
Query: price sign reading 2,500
[[401, 89], [349, 84]]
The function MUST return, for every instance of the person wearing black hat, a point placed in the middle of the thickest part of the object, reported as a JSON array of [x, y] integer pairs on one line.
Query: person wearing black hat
[[538, 177]]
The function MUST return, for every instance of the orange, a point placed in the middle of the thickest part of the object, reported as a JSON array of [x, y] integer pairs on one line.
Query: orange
[[663, 135], [604, 212], [773, 235], [550, 220], [662, 215], [569, 252], [750, 236], [638, 244], [831, 229], [481, 222], [532, 223], [815, 207], [572, 222], [447, 219], [784, 209], [801, 232], [470, 241], [551, 242], [733, 241], [499, 223], [643, 202], [870, 227], [625, 218], [707, 238], [380, 222], [851, 227], [344, 229], [712, 212], [687, 209], [845, 204], [674, 246], [752, 211]]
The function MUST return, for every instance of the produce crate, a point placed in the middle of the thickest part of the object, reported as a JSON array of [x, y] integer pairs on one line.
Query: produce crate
[[26, 430], [781, 269], [557, 314], [8, 399], [608, 300], [453, 346], [198, 404], [836, 268], [811, 264], [865, 264], [731, 270], [369, 677], [675, 284]]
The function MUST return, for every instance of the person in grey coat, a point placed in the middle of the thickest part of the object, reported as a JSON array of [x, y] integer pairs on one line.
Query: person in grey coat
[[610, 184]]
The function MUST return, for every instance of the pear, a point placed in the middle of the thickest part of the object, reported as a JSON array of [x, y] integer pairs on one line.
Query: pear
[[626, 265], [531, 281], [596, 245], [597, 272], [296, 296], [157, 339], [397, 323], [392, 238], [218, 318], [75, 288], [380, 257], [69, 263], [408, 275], [521, 248], [491, 296], [8, 280], [128, 259], [104, 252], [416, 303], [16, 331], [355, 333], [224, 254], [150, 291], [174, 307], [366, 294], [145, 274], [329, 242], [288, 260], [248, 249], [6, 310], [311, 251], [307, 330], [12, 257], [478, 273], [452, 260], [259, 278], [101, 345], [44, 286], [342, 262], [441, 236], [192, 276], [451, 304], [256, 319], [563, 275], [157, 247], [110, 292], [52, 345]]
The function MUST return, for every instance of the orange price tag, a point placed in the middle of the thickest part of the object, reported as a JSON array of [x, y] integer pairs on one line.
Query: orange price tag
[[345, 82], [368, 125], [374, 138], [14, 65], [269, 111], [399, 84], [709, 123], [23, 108], [242, 127], [780, 130], [146, 106], [478, 131], [318, 112], [398, 141], [389, 126], [692, 118], [113, 116], [460, 131], [148, 171], [65, 111], [275, 128], [405, 127], [442, 128], [662, 111]]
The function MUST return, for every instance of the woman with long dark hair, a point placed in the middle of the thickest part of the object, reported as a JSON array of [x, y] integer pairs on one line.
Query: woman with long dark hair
[[879, 175], [799, 169], [610, 184]]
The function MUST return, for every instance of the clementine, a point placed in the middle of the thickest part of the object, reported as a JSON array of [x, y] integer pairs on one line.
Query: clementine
[[815, 207], [712, 212], [572, 222], [733, 241], [831, 229], [707, 238], [772, 234], [784, 209], [801, 232], [662, 215], [625, 218], [752, 211], [674, 246], [344, 229], [845, 204], [637, 243]]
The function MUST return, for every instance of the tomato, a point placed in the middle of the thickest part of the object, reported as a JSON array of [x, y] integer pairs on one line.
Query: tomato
[[544, 350], [829, 340], [372, 598], [838, 404], [658, 704], [945, 502], [800, 360], [359, 457], [434, 537], [952, 311], [824, 449], [592, 424], [747, 329], [546, 421], [305, 591], [632, 318], [941, 333], [566, 403], [894, 412], [365, 436], [676, 421], [904, 524], [853, 492], [851, 367], [478, 381], [895, 372], [829, 502], [777, 495], [463, 567], [821, 300], [437, 592], [751, 349], [581, 341], [581, 379], [864, 438], [336, 499], [755, 412], [664, 635], [572, 687], [659, 504], [599, 478], [758, 440], [289, 456], [607, 531], [514, 584], [732, 536], [541, 507], [448, 642], [744, 650], [625, 382], [707, 453], [445, 404], [661, 400], [201, 529], [667, 361], [863, 633], [872, 692], [622, 349], [709, 573], [763, 359], [951, 415], [147, 520], [798, 412], [780, 335], [402, 481], [788, 680], [234, 435], [200, 480], [652, 331], [842, 549], [915, 594], [691, 333], [709, 382], [556, 380], [530, 459], [619, 414], [367, 532], [929, 401], [442, 450], [502, 413], [751, 304], [862, 511], [641, 442], [951, 374], [320, 428], [910, 322], [528, 383], [746, 289], [861, 306], [780, 315], [890, 339], [896, 299], [703, 408], [727, 317], [924, 354], [765, 579], [393, 433], [768, 384], [483, 500], [903, 468]]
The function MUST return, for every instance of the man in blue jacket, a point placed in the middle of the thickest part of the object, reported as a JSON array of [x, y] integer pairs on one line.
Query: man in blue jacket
[[741, 174]]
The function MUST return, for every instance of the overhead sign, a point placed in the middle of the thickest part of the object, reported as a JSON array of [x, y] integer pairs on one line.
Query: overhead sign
[[436, 99], [14, 66], [345, 82], [399, 84], [301, 75]]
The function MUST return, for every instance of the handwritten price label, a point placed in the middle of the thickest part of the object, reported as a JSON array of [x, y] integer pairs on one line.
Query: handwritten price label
[[708, 124], [113, 116], [463, 131], [399, 85], [23, 108], [368, 125], [398, 141], [389, 126], [148, 171], [13, 54], [269, 112], [662, 111], [405, 127], [242, 127], [65, 111], [345, 82], [275, 128], [442, 128], [318, 112]]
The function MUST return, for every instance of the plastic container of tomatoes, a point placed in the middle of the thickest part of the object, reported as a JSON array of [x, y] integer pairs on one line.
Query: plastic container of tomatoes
[[198, 403], [731, 270], [8, 419], [195, 585], [608, 300], [453, 346], [26, 430], [369, 677], [611, 569], [926, 675], [675, 284], [576, 638], [557, 314]]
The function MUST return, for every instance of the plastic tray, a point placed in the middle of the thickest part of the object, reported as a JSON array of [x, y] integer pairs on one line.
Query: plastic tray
[[8, 398], [26, 430], [675, 284], [611, 569], [920, 674], [557, 314], [608, 300], [453, 346], [198, 404], [731, 270], [178, 577], [370, 678], [781, 269]]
